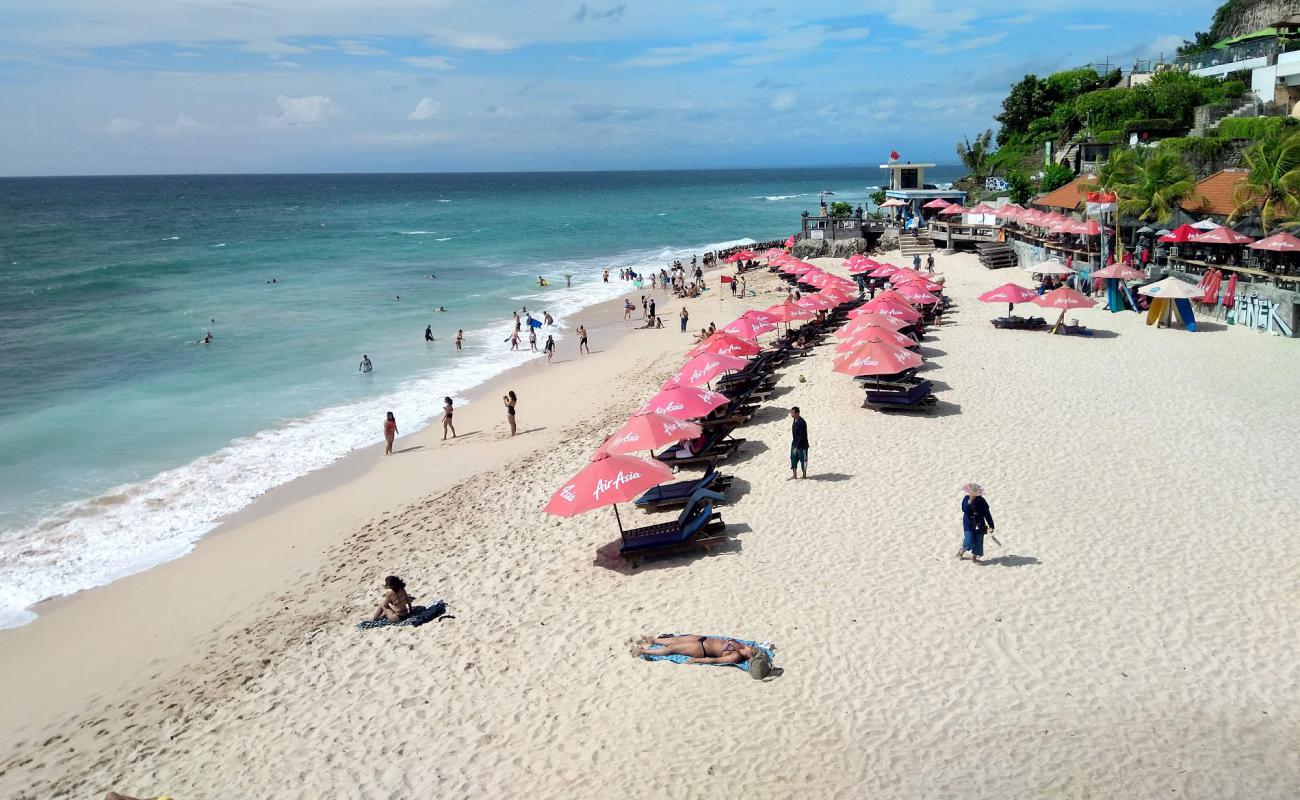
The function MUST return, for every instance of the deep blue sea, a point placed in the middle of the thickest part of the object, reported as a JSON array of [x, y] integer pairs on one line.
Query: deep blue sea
[[122, 441]]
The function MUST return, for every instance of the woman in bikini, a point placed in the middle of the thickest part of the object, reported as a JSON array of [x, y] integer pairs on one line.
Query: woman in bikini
[[582, 340], [390, 431], [510, 401], [446, 419], [701, 649], [395, 605]]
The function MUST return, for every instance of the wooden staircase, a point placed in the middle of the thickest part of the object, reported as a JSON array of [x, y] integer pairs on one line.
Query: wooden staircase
[[910, 244], [996, 255]]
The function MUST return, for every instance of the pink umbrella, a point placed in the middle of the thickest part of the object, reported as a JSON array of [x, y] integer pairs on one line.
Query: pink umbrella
[[982, 208], [751, 324], [707, 366], [951, 211], [798, 268], [649, 432], [1278, 243], [816, 302], [1120, 272], [893, 202], [892, 308], [937, 202], [895, 296], [916, 294], [879, 320], [874, 334], [1009, 293], [684, 402], [726, 344], [837, 294], [884, 271], [1209, 286], [920, 283], [1049, 268], [862, 266], [607, 480], [1230, 296], [1065, 298], [876, 358], [789, 312], [1183, 233], [1224, 235]]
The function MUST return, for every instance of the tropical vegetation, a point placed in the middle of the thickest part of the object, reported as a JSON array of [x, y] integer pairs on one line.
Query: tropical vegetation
[[1149, 184], [1272, 183], [976, 155]]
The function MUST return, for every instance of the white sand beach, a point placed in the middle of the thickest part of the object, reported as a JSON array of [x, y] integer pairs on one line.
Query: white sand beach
[[1133, 637]]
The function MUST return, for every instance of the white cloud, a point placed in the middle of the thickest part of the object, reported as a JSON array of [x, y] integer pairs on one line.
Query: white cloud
[[1023, 19], [784, 101], [354, 48], [972, 43], [772, 48], [1096, 26], [429, 62], [122, 126], [186, 54], [476, 40], [273, 48], [184, 124], [301, 111], [428, 108]]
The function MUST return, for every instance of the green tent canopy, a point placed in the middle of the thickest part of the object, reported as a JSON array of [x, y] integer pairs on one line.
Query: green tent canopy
[[1262, 33]]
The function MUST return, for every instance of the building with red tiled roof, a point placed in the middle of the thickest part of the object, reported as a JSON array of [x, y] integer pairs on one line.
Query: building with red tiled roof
[[1213, 196], [1070, 196]]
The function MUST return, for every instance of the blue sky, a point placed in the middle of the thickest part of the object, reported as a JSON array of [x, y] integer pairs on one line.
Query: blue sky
[[141, 86]]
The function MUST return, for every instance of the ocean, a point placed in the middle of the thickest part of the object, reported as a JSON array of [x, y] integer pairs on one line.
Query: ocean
[[123, 441]]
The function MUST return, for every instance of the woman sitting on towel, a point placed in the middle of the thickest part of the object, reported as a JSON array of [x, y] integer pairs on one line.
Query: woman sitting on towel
[[701, 649], [396, 603]]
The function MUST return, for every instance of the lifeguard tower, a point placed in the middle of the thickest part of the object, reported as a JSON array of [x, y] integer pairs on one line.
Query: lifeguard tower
[[907, 183]]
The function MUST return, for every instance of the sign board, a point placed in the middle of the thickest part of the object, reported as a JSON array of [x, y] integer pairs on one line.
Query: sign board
[[1260, 313], [995, 184], [816, 234]]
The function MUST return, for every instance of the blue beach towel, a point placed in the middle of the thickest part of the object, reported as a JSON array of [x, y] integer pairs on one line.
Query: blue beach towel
[[419, 616], [766, 647]]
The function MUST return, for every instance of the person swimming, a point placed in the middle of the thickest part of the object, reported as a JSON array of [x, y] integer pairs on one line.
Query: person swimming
[[365, 365], [207, 338]]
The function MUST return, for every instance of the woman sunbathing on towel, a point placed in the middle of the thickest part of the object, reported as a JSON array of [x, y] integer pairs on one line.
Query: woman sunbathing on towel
[[396, 603], [701, 649]]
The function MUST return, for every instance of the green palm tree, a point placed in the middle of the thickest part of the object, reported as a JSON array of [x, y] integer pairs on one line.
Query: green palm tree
[[975, 155], [1272, 182], [1149, 184]]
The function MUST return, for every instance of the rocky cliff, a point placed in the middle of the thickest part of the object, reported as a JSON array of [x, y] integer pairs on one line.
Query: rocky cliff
[[1236, 17]]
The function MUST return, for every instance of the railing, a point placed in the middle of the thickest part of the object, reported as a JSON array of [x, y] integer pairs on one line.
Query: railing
[[853, 226], [1260, 48]]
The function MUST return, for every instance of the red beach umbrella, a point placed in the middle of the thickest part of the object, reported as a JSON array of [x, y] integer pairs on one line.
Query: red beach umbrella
[[951, 211], [1119, 272], [876, 358], [1224, 235], [1183, 233], [727, 345], [1278, 243], [751, 324], [649, 432], [707, 366], [1230, 296], [789, 312], [893, 202], [921, 283], [684, 402], [937, 202], [982, 208], [816, 302], [883, 271], [607, 481]]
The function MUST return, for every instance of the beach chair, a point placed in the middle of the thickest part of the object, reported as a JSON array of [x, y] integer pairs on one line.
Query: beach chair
[[1072, 330], [917, 398], [906, 378], [697, 527], [718, 447], [1020, 323], [672, 495]]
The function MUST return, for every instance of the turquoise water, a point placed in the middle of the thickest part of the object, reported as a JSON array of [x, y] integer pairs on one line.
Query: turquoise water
[[122, 441]]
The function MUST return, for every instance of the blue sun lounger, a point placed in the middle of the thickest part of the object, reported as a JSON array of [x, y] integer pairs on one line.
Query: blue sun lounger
[[672, 495], [696, 527]]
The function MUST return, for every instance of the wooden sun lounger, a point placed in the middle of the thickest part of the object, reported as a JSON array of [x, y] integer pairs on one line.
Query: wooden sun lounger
[[697, 527]]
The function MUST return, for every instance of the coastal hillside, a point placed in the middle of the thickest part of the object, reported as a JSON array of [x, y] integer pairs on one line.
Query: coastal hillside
[[1237, 17]]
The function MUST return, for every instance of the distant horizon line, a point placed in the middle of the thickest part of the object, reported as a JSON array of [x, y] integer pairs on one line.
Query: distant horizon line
[[863, 165]]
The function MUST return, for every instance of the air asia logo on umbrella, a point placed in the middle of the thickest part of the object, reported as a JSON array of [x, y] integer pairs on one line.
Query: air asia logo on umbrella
[[627, 438], [568, 494], [674, 427], [729, 349], [621, 478], [708, 397], [700, 373], [672, 406], [865, 361]]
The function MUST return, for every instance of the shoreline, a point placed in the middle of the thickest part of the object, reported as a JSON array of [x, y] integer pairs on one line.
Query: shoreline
[[241, 538], [1100, 651]]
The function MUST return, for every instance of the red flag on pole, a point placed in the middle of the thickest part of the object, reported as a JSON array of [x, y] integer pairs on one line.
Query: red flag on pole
[[893, 155]]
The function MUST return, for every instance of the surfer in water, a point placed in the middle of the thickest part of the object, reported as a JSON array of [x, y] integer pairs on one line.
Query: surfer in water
[[547, 318], [207, 338], [541, 281], [365, 365], [428, 333]]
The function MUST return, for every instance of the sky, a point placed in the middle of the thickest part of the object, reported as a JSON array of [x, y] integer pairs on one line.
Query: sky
[[225, 86]]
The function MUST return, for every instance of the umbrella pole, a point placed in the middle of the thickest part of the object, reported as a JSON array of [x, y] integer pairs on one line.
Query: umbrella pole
[[618, 520]]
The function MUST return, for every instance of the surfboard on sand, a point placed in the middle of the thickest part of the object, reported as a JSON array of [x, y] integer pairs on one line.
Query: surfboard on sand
[[1132, 299], [1157, 310], [1184, 307]]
